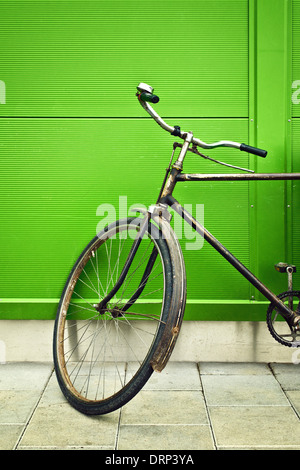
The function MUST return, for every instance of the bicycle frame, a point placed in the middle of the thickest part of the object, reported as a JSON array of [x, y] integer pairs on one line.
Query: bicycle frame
[[118, 338], [167, 198]]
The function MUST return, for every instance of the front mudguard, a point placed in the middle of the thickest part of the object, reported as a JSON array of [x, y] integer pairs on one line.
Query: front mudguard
[[161, 217]]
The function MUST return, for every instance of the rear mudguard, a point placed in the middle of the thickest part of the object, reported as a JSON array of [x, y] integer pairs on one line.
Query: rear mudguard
[[161, 217]]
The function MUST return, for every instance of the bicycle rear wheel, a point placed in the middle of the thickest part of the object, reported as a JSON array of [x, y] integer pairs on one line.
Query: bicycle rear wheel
[[103, 359]]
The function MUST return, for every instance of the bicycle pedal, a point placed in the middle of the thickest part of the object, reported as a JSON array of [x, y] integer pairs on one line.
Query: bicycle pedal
[[285, 267]]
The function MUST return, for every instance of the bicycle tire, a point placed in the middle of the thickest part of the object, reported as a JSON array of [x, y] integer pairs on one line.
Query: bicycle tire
[[92, 325]]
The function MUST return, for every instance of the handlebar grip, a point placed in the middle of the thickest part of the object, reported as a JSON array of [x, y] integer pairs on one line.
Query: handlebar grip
[[254, 150], [149, 97]]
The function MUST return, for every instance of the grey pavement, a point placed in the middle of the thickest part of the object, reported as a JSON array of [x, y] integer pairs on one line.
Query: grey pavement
[[189, 406]]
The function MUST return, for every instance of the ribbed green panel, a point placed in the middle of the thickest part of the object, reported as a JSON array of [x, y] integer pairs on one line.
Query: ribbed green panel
[[85, 58], [71, 138], [55, 173], [296, 193], [296, 132], [226, 214], [296, 58]]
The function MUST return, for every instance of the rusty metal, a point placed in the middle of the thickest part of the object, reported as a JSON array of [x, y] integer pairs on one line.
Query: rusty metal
[[172, 328], [289, 269], [177, 166], [286, 312], [170, 183], [237, 177], [160, 215], [174, 320], [165, 197], [167, 174], [184, 148], [194, 149], [102, 304]]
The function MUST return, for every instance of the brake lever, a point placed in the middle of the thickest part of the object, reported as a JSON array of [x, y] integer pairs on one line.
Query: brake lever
[[194, 149]]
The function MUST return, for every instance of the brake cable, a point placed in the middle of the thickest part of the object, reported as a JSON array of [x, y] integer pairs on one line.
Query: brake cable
[[196, 151]]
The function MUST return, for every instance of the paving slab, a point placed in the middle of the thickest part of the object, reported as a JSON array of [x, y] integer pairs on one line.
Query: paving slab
[[165, 407], [236, 390], [61, 426], [165, 437], [294, 397], [188, 406], [52, 394], [237, 368], [24, 375], [16, 406], [272, 427], [288, 375], [9, 435], [175, 376]]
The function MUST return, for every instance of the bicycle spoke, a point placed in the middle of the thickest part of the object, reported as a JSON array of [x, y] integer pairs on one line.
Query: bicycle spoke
[[104, 351]]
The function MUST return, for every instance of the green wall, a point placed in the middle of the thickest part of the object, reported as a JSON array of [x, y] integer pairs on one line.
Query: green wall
[[73, 137]]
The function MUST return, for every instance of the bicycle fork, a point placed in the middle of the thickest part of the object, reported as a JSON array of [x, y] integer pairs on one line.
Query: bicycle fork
[[102, 306]]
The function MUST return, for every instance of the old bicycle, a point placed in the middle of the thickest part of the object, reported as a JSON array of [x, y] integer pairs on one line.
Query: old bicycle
[[122, 306]]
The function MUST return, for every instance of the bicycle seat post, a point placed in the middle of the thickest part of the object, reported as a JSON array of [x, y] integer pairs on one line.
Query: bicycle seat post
[[289, 269]]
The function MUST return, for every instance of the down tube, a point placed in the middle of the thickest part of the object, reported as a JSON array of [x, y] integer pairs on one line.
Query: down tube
[[171, 201]]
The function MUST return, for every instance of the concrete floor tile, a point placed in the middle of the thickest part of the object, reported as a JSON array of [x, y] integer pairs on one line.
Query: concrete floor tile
[[257, 447], [162, 437], [65, 448], [175, 376], [16, 406], [236, 390], [9, 435], [165, 407], [236, 368], [294, 397], [62, 426], [285, 368], [254, 427], [52, 394], [242, 406], [288, 375], [24, 375]]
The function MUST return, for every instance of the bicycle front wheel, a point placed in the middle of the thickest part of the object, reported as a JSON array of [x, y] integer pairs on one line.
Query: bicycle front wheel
[[102, 359]]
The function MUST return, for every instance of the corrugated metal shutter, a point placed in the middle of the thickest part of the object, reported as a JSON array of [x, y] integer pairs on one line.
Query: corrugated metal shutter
[[73, 135], [296, 129]]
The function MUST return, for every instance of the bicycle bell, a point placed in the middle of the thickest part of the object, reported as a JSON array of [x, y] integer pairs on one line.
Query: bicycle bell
[[143, 87]]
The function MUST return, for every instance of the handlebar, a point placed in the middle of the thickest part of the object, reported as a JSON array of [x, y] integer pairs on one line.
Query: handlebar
[[149, 97], [254, 150], [145, 95]]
